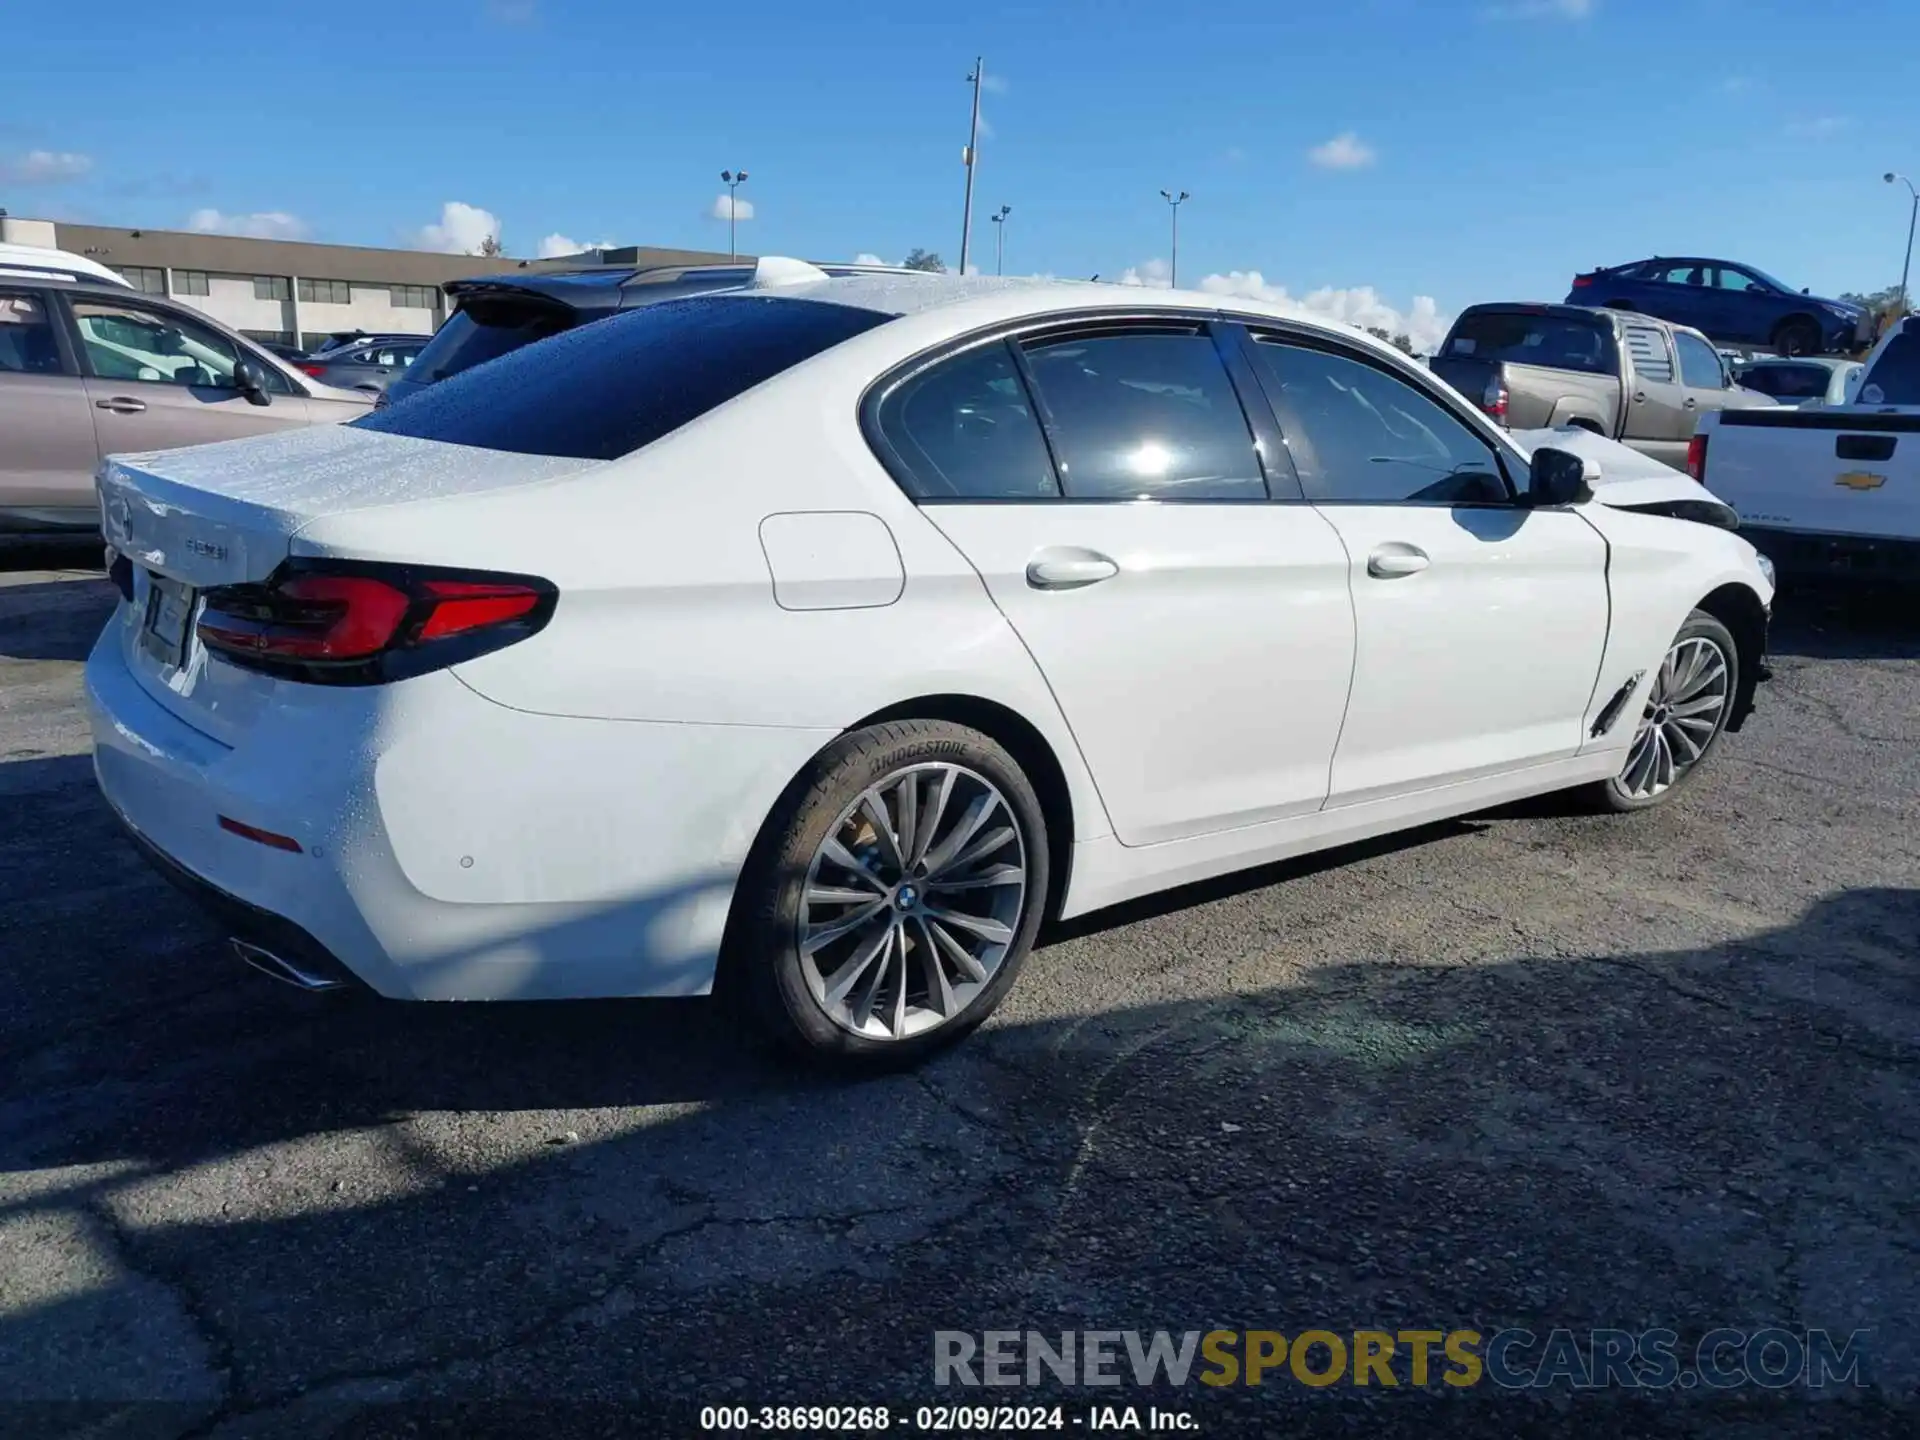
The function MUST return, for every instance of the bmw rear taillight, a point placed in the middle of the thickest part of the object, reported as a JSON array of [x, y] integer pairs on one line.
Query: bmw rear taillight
[[1697, 458], [1494, 400], [342, 623]]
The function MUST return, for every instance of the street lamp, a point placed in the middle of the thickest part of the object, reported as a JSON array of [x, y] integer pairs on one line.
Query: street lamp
[[1173, 266], [971, 155], [999, 218], [1912, 216], [733, 180]]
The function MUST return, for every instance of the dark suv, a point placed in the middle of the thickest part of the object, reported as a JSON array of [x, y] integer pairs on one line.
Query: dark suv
[[1731, 303], [498, 314]]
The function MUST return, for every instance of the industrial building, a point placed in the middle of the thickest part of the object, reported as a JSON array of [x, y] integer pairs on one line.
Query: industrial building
[[294, 291]]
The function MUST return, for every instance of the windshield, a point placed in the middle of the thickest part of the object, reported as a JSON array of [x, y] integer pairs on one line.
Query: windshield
[[606, 389], [1895, 376], [483, 329], [1518, 338], [1767, 279]]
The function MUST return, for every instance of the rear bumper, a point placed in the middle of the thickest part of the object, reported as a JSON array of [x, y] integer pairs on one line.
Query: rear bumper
[[1861, 559]]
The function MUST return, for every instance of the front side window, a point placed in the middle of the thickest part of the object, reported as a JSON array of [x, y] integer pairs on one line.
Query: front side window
[[963, 429], [1728, 278], [1699, 362], [130, 342], [1358, 434], [27, 346], [1648, 349], [601, 391], [1145, 415]]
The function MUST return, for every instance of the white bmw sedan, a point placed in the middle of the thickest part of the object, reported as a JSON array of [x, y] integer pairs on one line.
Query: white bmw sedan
[[816, 641]]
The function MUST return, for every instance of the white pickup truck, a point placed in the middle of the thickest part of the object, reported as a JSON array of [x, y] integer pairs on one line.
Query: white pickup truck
[[1833, 488]]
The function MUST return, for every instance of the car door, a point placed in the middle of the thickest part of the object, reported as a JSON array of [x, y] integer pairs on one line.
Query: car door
[[47, 447], [158, 379], [1479, 623], [1196, 633], [1703, 379], [1746, 309], [1658, 422]]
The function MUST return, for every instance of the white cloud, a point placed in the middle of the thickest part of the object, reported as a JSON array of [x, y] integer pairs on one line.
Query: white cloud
[[261, 225], [1154, 273], [1362, 306], [556, 245], [45, 167], [1821, 127], [867, 257], [1345, 151], [742, 209], [1543, 10], [462, 230]]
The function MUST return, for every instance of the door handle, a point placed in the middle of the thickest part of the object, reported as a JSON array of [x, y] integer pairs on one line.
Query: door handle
[[1069, 569], [1390, 562], [121, 405]]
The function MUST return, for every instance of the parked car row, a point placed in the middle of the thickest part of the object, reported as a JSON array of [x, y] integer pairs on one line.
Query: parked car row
[[815, 643]]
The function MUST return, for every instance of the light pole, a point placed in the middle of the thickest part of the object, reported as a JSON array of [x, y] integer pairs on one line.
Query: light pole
[[1173, 266], [733, 180], [972, 152], [1912, 216], [999, 218]]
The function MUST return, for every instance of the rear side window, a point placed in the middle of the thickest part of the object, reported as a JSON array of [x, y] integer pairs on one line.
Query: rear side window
[[27, 346], [1648, 347], [963, 430], [1516, 338], [1895, 376], [1145, 415], [606, 389]]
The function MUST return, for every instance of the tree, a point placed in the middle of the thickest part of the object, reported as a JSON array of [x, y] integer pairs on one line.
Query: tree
[[491, 247], [1402, 341], [1881, 303], [918, 259]]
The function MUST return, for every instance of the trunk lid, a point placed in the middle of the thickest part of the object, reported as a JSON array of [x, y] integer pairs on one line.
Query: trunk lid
[[224, 514]]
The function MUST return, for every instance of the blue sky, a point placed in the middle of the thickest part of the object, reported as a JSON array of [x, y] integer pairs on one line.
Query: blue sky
[[1459, 150]]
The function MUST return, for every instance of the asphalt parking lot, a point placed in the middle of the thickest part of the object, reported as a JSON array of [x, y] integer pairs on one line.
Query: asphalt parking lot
[[1527, 1069]]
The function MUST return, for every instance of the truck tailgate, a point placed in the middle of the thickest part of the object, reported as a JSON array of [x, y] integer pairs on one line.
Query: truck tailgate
[[1845, 470]]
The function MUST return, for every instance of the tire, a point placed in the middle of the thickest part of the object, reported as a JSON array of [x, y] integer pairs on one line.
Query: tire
[[1797, 337], [1635, 788], [795, 951]]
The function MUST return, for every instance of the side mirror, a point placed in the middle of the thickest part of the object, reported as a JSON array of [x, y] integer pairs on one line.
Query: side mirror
[[1557, 477], [251, 381]]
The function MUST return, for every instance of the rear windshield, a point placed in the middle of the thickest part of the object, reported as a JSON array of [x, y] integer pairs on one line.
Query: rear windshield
[[1788, 382], [1896, 374], [1517, 338], [484, 330], [606, 389]]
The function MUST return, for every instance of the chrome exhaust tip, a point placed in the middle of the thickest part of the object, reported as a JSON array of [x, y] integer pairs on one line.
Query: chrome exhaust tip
[[282, 969]]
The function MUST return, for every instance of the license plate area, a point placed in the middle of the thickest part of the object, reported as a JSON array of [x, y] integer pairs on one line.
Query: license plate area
[[168, 620]]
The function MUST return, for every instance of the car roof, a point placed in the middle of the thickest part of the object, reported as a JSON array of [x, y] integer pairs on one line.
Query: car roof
[[608, 287], [37, 262]]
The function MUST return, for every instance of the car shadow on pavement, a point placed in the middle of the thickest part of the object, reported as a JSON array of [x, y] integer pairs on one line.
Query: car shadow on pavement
[[54, 619], [282, 1214]]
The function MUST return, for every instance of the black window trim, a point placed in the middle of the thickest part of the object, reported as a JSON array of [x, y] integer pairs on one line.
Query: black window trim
[[1505, 457], [66, 335], [1281, 484]]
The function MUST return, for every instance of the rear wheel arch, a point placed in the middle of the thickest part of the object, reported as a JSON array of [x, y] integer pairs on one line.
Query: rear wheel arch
[[1022, 740], [1741, 610]]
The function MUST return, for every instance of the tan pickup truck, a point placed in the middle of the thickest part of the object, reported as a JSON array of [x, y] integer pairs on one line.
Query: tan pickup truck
[[1629, 377]]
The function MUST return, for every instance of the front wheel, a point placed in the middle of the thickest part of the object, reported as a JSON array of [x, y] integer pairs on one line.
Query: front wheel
[[1688, 703], [893, 895]]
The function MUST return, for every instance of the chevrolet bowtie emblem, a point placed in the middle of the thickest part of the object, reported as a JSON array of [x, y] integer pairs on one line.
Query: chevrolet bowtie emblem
[[1861, 480]]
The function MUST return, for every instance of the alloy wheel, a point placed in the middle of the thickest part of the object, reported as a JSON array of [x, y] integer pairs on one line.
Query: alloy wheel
[[912, 901], [1685, 706]]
